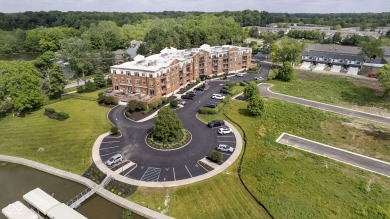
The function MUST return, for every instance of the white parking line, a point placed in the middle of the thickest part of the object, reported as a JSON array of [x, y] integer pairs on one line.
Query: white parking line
[[174, 176], [227, 141], [135, 166], [225, 136], [106, 142], [109, 148], [226, 154], [109, 154], [188, 170], [151, 174]]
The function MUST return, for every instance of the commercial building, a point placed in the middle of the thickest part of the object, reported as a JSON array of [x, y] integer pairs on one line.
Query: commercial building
[[149, 78]]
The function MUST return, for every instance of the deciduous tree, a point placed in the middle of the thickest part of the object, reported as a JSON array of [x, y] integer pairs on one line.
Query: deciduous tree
[[384, 80], [57, 82], [168, 127], [256, 105]]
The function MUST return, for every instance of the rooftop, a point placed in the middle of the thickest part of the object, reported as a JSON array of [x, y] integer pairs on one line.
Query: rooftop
[[166, 56], [350, 50]]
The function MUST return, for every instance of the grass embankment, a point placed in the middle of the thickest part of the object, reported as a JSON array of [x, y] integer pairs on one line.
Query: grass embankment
[[67, 144], [296, 184], [343, 91], [289, 182], [222, 196]]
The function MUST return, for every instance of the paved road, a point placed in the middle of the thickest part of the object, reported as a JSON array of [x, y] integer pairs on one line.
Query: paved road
[[344, 156], [155, 165], [264, 88]]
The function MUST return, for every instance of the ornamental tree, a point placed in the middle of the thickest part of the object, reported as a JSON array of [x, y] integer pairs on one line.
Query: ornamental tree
[[168, 127]]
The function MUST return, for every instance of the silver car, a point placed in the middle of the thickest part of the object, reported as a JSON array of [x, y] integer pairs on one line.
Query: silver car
[[114, 159], [225, 148]]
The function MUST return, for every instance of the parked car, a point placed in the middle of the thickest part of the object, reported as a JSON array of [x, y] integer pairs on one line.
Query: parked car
[[225, 148], [216, 123], [199, 89], [224, 130], [188, 97], [224, 91], [211, 105], [239, 74], [192, 93], [181, 102], [114, 159], [218, 96], [258, 78]]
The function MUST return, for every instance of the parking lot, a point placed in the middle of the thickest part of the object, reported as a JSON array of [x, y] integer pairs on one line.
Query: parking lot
[[157, 166]]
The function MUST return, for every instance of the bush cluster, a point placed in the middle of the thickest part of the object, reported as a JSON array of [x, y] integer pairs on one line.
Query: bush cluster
[[215, 156], [114, 130], [174, 103], [107, 100], [51, 113]]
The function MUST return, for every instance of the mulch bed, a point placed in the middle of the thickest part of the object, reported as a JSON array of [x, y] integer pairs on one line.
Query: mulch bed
[[120, 188], [93, 173], [136, 116]]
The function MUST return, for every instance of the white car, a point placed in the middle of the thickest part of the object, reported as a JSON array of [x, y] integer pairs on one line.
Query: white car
[[114, 159], [225, 148], [224, 130], [218, 96], [239, 74]]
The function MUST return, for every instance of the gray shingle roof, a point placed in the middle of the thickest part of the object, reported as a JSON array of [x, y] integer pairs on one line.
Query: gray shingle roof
[[348, 50]]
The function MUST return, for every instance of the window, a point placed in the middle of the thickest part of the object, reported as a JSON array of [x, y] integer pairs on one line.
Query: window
[[150, 75], [143, 82], [137, 90], [136, 74], [128, 81], [145, 90], [121, 72], [115, 79], [128, 73], [137, 81], [114, 71], [122, 80], [151, 92], [151, 83], [143, 74], [116, 87]]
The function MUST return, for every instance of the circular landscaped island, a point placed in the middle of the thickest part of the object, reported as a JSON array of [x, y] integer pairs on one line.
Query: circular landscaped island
[[168, 132]]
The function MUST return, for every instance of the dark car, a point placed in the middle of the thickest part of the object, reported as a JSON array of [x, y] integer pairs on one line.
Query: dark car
[[191, 93], [224, 91], [187, 97], [215, 123], [211, 105], [199, 89]]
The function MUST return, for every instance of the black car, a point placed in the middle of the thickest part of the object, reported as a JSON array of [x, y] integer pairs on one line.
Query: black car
[[191, 93], [215, 123], [188, 97], [211, 105], [224, 91], [199, 89]]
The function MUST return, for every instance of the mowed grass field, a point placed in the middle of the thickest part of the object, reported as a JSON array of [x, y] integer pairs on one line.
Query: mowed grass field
[[67, 144], [222, 196], [343, 91], [289, 182]]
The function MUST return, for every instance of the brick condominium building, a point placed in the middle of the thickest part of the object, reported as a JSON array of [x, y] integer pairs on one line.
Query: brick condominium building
[[149, 78]]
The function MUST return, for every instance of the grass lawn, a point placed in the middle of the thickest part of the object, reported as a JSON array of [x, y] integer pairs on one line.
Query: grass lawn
[[344, 91], [70, 89], [296, 184], [222, 196], [289, 182], [67, 144]]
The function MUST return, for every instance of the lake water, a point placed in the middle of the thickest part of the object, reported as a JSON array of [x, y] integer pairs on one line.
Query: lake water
[[16, 180], [20, 57]]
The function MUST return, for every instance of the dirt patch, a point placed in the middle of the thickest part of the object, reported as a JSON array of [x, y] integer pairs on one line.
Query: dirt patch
[[373, 85], [261, 131]]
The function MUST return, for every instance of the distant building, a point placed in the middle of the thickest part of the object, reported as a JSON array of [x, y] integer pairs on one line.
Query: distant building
[[149, 78]]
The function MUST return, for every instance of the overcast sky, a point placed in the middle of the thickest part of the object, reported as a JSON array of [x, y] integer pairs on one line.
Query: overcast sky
[[290, 6]]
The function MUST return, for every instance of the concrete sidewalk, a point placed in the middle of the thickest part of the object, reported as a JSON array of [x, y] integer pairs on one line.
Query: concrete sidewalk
[[220, 168], [138, 209]]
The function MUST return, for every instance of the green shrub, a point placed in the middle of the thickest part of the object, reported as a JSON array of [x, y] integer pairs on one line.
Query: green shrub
[[174, 103], [135, 105], [89, 87], [231, 84], [159, 102], [226, 87], [207, 110], [226, 99], [164, 99], [243, 83], [107, 100], [49, 110], [128, 114], [81, 89], [147, 111], [215, 156], [153, 105], [62, 116], [114, 130], [254, 69]]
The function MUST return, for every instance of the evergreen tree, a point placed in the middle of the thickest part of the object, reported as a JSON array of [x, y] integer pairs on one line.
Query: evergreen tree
[[168, 127], [57, 82], [143, 49], [256, 105], [99, 80]]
